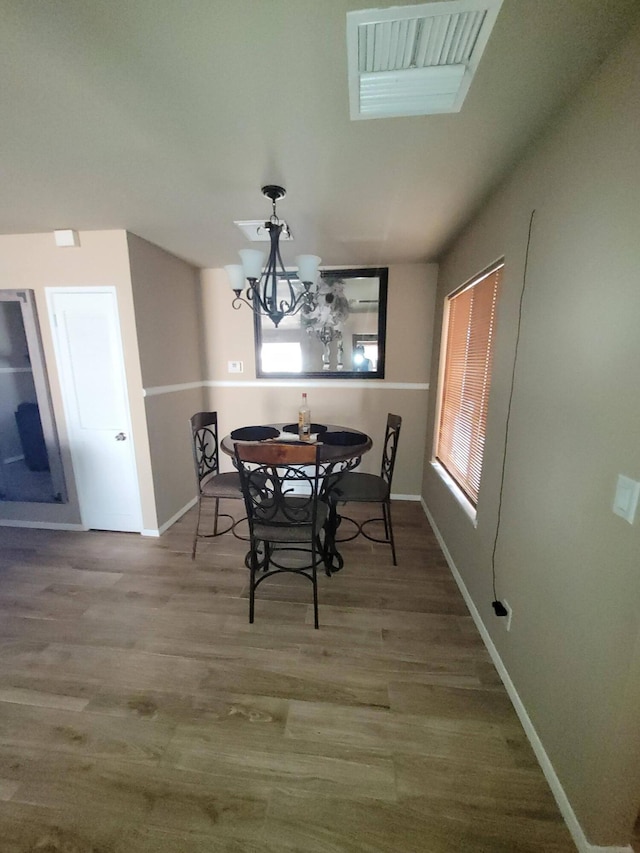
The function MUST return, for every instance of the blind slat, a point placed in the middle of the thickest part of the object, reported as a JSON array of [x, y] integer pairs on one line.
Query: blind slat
[[467, 378]]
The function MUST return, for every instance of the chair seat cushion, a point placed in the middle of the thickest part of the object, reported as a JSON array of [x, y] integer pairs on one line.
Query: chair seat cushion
[[225, 485], [355, 486], [281, 531]]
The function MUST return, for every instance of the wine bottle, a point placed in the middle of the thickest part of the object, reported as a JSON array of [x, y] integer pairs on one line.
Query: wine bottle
[[304, 420]]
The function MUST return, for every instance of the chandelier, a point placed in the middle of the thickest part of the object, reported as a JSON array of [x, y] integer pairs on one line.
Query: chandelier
[[264, 291]]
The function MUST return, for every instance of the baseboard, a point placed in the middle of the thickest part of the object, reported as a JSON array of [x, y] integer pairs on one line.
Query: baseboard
[[160, 530], [42, 525], [406, 498], [591, 848], [573, 825]]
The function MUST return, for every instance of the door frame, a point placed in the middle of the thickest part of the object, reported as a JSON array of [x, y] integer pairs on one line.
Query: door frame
[[50, 293]]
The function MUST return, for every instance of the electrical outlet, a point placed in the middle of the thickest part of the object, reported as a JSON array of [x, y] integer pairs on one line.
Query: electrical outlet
[[235, 367], [507, 621]]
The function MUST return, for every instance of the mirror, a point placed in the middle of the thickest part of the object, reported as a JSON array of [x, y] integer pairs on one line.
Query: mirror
[[343, 338], [30, 465]]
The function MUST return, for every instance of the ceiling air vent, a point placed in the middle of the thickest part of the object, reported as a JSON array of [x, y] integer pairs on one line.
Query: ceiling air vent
[[416, 60]]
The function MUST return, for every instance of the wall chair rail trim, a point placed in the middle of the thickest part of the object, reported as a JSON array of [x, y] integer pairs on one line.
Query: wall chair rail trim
[[346, 385], [287, 383], [172, 389]]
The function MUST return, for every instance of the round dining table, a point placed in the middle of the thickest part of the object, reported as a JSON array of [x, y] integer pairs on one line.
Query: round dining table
[[334, 459], [346, 456]]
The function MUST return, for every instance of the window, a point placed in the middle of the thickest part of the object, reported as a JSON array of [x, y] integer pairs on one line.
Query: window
[[469, 331], [281, 357]]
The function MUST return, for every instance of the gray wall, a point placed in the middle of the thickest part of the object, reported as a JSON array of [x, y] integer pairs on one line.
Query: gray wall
[[569, 568], [166, 293]]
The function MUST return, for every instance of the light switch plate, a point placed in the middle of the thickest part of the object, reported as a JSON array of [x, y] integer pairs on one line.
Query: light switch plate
[[625, 501], [235, 366]]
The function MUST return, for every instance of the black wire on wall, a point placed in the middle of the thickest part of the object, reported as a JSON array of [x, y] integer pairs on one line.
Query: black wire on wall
[[496, 601]]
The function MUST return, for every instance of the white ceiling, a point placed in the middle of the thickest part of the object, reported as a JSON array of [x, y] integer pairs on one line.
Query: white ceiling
[[165, 117]]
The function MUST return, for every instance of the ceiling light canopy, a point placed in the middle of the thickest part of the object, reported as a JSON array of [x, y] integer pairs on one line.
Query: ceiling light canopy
[[416, 60], [264, 293]]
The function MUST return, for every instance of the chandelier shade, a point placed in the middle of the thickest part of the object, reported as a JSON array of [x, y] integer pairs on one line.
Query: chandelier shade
[[235, 276], [308, 267], [264, 284], [252, 261]]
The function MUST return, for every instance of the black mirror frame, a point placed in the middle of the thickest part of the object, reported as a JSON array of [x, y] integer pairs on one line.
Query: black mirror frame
[[382, 273]]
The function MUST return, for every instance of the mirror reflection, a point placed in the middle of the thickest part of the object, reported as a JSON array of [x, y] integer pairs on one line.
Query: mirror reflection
[[342, 337]]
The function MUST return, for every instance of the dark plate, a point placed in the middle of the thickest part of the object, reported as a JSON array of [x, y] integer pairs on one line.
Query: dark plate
[[318, 428], [254, 433], [344, 439]]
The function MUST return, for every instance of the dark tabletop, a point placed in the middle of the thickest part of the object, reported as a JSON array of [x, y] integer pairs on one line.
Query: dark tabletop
[[328, 452]]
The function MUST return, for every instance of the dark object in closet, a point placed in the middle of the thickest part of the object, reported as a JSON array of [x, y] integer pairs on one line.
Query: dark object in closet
[[32, 437]]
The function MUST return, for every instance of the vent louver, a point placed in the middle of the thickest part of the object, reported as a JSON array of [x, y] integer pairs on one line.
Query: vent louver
[[415, 60]]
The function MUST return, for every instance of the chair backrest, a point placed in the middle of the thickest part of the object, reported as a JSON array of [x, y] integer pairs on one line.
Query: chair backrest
[[204, 432], [280, 484], [391, 436]]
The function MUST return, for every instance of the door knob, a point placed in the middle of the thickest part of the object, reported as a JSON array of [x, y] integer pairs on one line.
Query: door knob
[[121, 437]]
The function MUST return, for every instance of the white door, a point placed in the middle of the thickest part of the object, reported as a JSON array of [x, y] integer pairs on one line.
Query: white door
[[91, 366]]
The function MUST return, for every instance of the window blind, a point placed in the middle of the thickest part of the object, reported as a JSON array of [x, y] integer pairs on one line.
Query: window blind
[[470, 332]]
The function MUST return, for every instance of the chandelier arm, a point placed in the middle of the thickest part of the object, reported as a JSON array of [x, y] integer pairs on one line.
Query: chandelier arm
[[297, 301], [269, 280], [299, 305], [254, 296], [290, 306], [253, 299], [239, 300]]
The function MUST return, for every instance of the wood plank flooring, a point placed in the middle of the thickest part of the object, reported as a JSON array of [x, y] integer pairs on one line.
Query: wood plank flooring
[[141, 713]]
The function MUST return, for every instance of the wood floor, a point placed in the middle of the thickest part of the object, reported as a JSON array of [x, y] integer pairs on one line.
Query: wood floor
[[141, 713]]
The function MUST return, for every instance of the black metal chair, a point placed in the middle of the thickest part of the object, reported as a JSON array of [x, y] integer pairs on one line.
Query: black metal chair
[[280, 484], [212, 485], [357, 487]]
